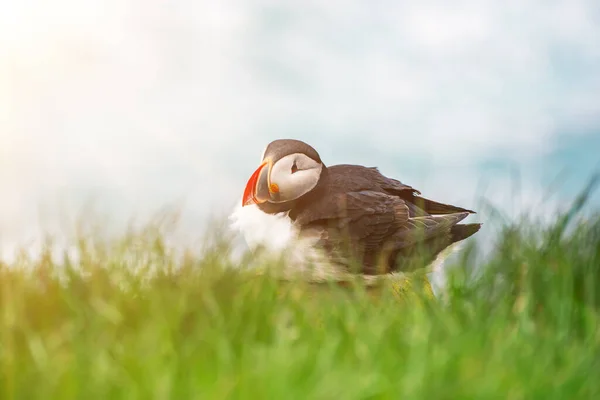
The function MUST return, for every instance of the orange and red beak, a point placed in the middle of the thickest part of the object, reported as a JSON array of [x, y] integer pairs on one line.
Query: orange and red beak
[[258, 187]]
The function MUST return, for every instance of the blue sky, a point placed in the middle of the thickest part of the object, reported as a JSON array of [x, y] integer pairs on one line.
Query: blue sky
[[138, 104]]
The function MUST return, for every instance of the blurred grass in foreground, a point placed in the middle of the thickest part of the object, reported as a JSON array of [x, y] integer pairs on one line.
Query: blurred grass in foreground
[[100, 327]]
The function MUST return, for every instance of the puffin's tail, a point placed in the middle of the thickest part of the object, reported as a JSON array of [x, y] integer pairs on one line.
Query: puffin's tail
[[462, 231], [424, 253], [435, 208]]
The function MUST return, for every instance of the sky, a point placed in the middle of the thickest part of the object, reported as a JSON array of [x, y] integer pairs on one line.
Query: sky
[[133, 105]]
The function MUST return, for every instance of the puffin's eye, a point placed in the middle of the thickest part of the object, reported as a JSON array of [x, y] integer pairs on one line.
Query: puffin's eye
[[294, 168]]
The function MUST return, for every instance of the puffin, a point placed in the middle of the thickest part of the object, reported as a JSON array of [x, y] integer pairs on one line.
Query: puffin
[[361, 220]]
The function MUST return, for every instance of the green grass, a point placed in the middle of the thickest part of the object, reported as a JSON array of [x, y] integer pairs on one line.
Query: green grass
[[526, 328]]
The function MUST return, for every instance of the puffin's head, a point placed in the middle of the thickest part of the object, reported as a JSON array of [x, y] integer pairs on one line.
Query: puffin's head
[[289, 169]]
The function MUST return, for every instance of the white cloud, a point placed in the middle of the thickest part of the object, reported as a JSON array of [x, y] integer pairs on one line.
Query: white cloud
[[145, 102]]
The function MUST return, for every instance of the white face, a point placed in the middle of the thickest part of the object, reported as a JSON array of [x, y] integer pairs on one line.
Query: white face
[[295, 175]]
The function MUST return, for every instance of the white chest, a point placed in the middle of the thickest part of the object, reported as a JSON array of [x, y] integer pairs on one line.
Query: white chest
[[273, 232], [277, 237]]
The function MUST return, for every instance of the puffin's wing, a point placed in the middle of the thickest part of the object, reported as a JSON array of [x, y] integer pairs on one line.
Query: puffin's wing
[[412, 196], [375, 218], [378, 217]]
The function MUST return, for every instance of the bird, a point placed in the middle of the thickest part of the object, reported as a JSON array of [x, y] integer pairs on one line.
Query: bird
[[359, 220]]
